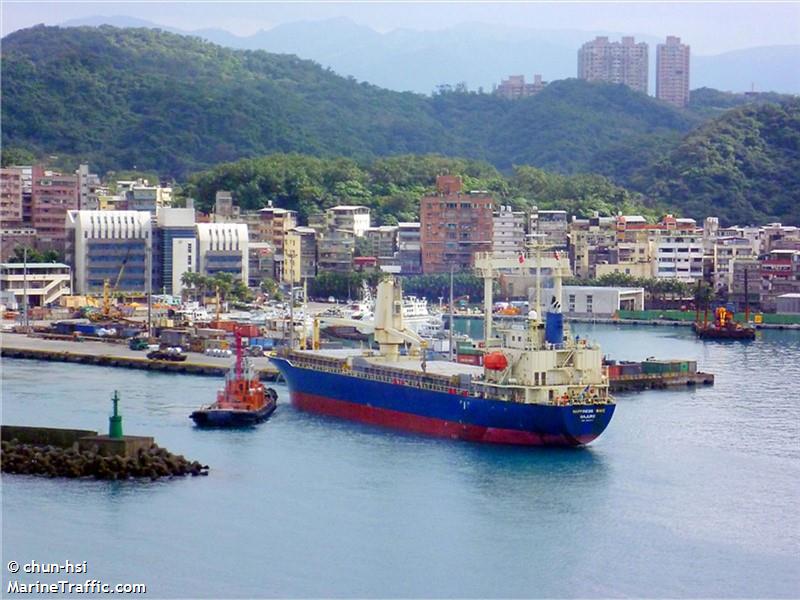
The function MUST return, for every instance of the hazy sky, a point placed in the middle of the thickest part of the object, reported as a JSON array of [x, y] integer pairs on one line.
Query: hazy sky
[[710, 27]]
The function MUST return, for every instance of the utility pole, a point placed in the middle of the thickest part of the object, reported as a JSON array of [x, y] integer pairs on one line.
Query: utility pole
[[148, 265], [25, 287], [450, 344]]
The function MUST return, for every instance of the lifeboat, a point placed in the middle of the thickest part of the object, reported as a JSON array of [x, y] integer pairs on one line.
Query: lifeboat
[[496, 361]]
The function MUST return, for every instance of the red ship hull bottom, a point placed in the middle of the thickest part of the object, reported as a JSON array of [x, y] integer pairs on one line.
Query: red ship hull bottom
[[429, 426]]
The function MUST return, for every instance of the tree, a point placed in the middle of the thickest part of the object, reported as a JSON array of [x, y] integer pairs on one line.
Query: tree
[[35, 256]]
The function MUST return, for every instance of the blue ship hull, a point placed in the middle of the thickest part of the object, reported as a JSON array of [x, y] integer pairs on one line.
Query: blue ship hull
[[442, 414]]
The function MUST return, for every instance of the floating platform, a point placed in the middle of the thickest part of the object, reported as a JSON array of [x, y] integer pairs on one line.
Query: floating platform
[[647, 381]]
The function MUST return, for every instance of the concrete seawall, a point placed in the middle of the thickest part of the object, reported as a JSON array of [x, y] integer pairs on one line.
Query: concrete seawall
[[43, 436]]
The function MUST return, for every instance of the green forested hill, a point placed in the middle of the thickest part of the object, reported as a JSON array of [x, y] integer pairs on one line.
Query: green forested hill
[[176, 104], [743, 167]]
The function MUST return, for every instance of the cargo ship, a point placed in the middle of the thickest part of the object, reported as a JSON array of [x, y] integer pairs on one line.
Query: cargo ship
[[537, 386], [243, 401]]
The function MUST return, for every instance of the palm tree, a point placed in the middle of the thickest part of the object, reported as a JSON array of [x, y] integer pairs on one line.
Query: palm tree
[[703, 296]]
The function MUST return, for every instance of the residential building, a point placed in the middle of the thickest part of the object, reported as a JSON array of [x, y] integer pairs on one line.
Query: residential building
[[89, 189], [381, 242], [109, 245], [10, 197], [273, 225], [725, 252], [174, 248], [301, 255], [672, 72], [140, 194], [780, 274], [736, 295], [679, 250], [224, 209], [409, 248], [614, 62], [43, 283], [780, 237], [508, 231], [592, 242], [515, 87], [261, 259], [550, 227], [454, 225], [348, 218], [634, 253], [335, 250], [52, 196], [223, 247]]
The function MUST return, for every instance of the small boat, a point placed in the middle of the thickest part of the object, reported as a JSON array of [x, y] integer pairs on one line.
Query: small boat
[[243, 401]]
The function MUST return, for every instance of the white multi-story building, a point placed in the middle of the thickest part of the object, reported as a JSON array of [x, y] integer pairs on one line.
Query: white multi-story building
[[508, 231], [679, 253], [223, 247], [42, 283], [109, 245], [349, 218]]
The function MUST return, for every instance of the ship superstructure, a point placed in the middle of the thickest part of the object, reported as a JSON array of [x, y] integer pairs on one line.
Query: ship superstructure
[[538, 386]]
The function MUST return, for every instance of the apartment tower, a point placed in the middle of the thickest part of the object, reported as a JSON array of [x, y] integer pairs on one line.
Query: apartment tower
[[672, 72], [614, 62]]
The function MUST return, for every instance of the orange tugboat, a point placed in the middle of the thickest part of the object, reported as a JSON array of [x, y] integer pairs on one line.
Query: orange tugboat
[[243, 401]]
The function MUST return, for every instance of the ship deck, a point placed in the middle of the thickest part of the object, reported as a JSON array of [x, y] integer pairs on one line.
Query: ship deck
[[412, 364]]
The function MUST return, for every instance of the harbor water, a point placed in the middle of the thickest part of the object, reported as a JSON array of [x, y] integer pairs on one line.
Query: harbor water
[[689, 493]]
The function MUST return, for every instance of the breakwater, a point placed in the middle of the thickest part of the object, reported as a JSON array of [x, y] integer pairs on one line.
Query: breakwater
[[71, 453]]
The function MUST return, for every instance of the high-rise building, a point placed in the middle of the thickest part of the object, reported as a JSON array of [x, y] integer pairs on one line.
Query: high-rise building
[[615, 62], [454, 226], [53, 195], [174, 248], [508, 231], [10, 196], [409, 248], [672, 72], [301, 254]]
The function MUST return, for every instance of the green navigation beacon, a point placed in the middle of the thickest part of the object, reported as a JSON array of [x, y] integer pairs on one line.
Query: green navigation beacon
[[115, 420]]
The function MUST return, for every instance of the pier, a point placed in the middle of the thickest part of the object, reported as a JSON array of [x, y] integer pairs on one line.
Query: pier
[[117, 355]]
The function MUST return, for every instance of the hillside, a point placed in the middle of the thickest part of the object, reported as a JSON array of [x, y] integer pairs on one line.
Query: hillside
[[176, 104], [411, 60], [743, 167]]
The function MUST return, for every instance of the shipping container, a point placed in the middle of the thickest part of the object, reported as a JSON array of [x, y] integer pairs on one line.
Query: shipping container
[[469, 359]]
